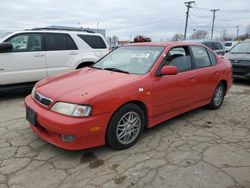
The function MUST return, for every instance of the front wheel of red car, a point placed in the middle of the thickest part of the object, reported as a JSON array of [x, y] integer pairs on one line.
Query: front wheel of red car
[[218, 97], [125, 127]]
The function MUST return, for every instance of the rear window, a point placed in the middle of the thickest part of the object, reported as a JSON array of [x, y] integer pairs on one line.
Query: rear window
[[209, 45], [213, 45], [228, 44], [94, 41]]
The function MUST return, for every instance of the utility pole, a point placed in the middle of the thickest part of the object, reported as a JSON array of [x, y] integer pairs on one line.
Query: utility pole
[[238, 29], [214, 11], [188, 5]]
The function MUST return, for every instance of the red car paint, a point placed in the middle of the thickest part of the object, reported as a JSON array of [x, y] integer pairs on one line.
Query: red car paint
[[163, 96]]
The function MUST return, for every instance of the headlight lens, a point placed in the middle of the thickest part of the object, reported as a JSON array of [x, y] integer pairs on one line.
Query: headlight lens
[[33, 92], [74, 110]]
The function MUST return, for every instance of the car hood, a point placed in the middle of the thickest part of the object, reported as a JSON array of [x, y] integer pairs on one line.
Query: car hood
[[239, 57], [82, 85]]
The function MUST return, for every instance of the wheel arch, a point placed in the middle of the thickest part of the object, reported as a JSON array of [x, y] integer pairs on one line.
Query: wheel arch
[[139, 103], [224, 82]]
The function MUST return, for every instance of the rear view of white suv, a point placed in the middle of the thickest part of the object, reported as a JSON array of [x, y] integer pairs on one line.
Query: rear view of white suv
[[32, 55]]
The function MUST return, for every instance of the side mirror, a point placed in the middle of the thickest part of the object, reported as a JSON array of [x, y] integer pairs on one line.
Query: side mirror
[[169, 70], [5, 47]]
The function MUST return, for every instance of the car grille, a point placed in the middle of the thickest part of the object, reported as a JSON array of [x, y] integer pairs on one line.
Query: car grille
[[42, 100], [240, 70]]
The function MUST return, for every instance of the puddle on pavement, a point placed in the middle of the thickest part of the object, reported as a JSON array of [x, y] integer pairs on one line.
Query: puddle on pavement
[[92, 159], [119, 180]]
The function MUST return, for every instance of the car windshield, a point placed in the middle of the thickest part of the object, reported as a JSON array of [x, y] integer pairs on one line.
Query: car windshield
[[130, 59], [241, 48]]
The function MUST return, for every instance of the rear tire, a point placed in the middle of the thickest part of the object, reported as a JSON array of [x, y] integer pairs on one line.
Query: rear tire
[[218, 97], [125, 127]]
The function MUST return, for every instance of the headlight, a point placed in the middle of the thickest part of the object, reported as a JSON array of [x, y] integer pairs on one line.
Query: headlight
[[33, 92], [72, 109]]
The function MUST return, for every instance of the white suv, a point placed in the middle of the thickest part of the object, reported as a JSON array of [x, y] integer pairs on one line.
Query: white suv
[[32, 55]]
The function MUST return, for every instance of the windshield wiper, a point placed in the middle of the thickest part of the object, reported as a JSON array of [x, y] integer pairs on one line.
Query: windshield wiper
[[116, 70]]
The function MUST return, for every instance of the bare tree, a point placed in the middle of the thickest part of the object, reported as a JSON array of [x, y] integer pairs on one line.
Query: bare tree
[[246, 35], [225, 36], [177, 37], [199, 34]]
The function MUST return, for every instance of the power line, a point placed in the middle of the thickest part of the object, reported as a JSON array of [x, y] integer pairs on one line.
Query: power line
[[188, 5], [149, 23]]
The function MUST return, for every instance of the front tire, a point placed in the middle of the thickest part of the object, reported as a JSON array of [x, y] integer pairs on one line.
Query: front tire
[[218, 97], [125, 127]]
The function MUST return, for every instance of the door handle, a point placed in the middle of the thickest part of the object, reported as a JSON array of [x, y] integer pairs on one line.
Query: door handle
[[191, 78], [217, 73], [73, 53], [1, 69], [39, 55]]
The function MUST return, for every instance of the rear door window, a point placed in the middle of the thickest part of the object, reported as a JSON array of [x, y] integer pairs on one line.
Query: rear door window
[[59, 42], [201, 57], [70, 43], [93, 41], [56, 42], [212, 57]]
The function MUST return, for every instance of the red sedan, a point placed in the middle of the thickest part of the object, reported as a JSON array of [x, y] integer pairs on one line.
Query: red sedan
[[134, 87]]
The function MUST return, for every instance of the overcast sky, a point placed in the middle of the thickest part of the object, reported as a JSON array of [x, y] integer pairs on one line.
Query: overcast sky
[[158, 19]]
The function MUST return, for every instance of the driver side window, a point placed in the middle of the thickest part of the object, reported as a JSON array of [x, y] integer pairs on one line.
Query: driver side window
[[179, 57], [26, 42]]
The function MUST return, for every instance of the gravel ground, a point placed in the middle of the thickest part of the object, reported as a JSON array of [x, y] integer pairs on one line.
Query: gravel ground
[[202, 148]]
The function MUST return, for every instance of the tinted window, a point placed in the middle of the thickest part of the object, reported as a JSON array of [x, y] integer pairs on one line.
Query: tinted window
[[71, 44], [179, 57], [212, 57], [210, 45], [26, 42], [200, 56], [218, 46], [94, 41], [56, 42], [228, 44]]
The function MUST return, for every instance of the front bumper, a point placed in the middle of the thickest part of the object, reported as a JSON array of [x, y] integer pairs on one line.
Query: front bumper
[[242, 70], [88, 132]]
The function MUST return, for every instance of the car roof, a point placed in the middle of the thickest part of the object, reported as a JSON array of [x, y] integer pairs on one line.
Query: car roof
[[163, 44], [54, 31]]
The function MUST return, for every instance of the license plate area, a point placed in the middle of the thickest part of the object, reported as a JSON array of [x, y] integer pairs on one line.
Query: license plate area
[[31, 116]]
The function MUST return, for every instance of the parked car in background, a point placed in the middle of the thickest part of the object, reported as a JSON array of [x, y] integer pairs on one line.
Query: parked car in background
[[239, 56], [216, 46], [31, 55], [133, 87], [229, 44], [140, 38]]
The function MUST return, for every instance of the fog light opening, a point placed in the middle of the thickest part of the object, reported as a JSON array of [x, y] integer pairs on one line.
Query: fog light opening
[[68, 138]]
